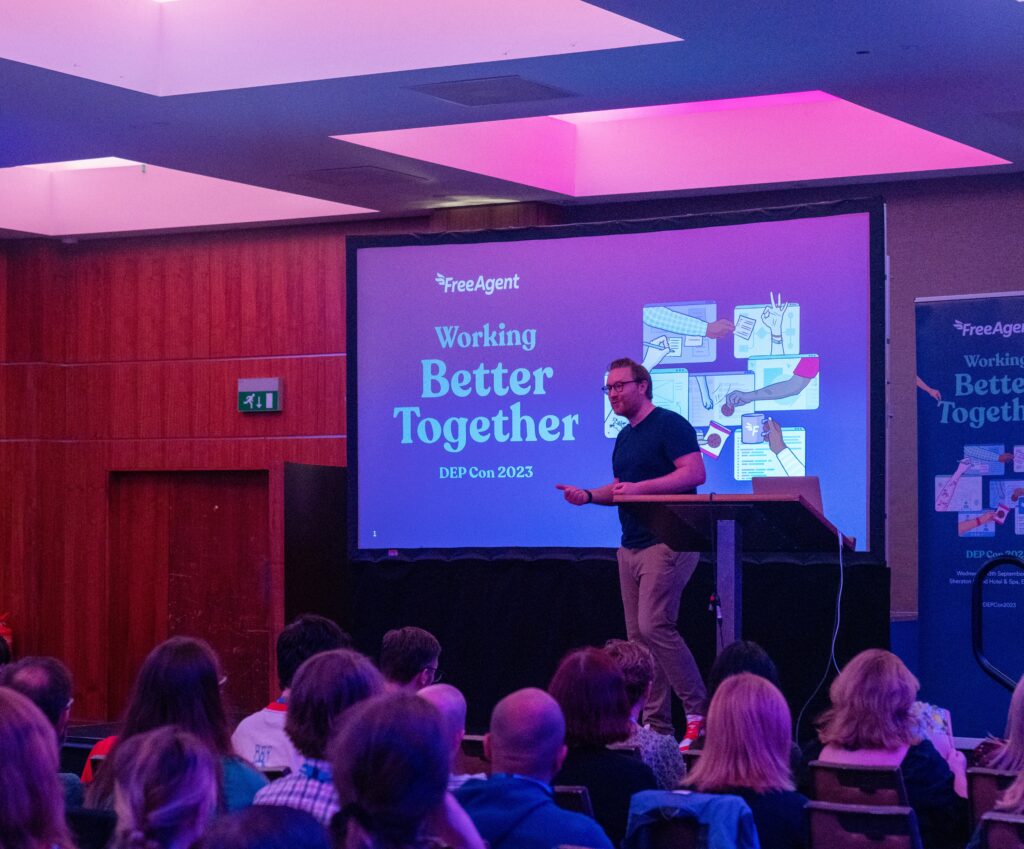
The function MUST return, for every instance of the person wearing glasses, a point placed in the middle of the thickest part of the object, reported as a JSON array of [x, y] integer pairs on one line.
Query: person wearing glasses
[[656, 453], [409, 657]]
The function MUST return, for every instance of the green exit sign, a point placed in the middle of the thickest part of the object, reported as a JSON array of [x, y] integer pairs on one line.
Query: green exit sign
[[259, 395]]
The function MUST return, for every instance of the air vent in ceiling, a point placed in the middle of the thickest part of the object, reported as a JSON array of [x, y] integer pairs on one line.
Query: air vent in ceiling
[[490, 91], [365, 177]]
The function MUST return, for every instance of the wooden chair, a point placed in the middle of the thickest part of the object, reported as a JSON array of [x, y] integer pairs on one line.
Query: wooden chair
[[573, 797], [92, 829], [984, 787], [835, 826], [470, 759], [626, 749], [690, 757], [857, 785], [1002, 831]]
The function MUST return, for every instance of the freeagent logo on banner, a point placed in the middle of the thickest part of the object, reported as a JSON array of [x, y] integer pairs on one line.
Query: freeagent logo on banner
[[1006, 329], [487, 285]]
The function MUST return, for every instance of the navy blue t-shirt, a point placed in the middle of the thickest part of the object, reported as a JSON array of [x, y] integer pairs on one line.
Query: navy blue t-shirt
[[647, 451]]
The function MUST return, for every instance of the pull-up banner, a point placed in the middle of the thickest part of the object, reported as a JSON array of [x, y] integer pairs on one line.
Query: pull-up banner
[[970, 426]]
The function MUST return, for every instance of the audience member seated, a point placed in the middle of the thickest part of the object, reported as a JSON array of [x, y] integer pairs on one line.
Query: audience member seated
[[870, 724], [451, 704], [1012, 802], [260, 738], [266, 827], [659, 751], [165, 792], [47, 682], [409, 657], [325, 687], [742, 656], [746, 754], [179, 684], [1008, 753], [31, 797], [515, 807], [390, 763], [591, 691]]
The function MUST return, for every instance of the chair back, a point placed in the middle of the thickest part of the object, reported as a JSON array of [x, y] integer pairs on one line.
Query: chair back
[[1002, 831], [835, 826], [681, 819], [690, 758], [984, 787], [573, 797], [857, 785], [91, 828], [678, 833], [626, 749]]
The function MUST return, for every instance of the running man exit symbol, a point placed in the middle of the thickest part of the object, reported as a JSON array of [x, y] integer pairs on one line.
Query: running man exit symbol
[[259, 395]]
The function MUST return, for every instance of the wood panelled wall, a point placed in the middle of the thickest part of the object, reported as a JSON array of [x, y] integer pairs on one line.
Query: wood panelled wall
[[123, 355]]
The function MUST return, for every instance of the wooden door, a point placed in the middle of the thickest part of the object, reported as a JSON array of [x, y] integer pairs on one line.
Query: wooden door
[[190, 554]]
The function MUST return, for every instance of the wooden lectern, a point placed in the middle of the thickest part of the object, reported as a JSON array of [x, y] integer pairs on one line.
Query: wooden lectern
[[728, 524]]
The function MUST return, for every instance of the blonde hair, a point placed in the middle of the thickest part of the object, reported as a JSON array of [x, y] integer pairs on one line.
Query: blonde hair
[[749, 739], [1010, 754], [871, 701], [31, 798], [1012, 800], [165, 789]]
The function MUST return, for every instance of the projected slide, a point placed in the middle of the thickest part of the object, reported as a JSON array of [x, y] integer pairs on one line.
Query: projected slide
[[478, 363]]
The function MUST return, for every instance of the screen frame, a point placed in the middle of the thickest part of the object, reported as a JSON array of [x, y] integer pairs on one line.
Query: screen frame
[[877, 359]]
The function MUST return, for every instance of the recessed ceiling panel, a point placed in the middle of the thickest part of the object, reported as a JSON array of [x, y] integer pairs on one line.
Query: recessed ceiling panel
[[59, 199], [772, 139], [212, 45]]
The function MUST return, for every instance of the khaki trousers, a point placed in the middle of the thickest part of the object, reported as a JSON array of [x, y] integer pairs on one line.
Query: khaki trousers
[[652, 581]]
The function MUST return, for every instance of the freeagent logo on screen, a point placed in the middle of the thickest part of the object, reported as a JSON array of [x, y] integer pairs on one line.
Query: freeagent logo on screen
[[487, 285]]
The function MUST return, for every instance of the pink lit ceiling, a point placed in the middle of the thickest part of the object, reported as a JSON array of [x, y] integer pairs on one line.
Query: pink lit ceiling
[[112, 195], [212, 45], [801, 136]]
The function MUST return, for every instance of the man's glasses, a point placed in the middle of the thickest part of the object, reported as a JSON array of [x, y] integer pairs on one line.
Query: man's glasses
[[435, 673], [607, 389]]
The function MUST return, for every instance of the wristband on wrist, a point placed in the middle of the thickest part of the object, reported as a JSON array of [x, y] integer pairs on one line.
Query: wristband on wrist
[[590, 495]]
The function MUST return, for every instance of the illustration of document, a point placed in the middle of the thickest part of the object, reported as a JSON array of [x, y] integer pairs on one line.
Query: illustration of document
[[671, 389], [753, 337], [779, 370], [958, 493], [1018, 458], [984, 459], [684, 325], [1000, 493], [986, 530], [708, 393], [759, 461]]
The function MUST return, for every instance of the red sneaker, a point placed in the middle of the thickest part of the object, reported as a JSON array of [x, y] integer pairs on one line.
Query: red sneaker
[[694, 731]]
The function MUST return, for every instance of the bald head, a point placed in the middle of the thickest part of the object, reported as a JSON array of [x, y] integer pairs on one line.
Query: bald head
[[527, 735], [451, 704]]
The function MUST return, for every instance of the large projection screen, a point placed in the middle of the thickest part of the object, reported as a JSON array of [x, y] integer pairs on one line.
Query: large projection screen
[[476, 362]]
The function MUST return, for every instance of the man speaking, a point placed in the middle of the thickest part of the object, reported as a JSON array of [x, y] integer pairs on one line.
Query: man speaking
[[655, 454]]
